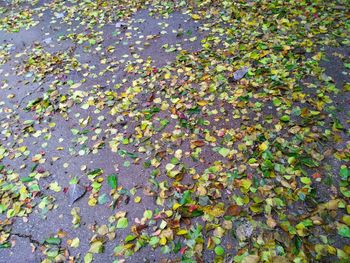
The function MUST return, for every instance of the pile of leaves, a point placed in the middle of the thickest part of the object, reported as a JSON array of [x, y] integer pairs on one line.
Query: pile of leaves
[[239, 148]]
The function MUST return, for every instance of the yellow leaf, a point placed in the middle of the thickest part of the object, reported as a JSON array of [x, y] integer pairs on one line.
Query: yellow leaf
[[182, 232], [75, 242], [202, 102], [167, 75], [162, 241], [246, 183], [55, 187], [176, 206], [263, 147], [76, 85], [92, 202], [215, 211], [196, 17]]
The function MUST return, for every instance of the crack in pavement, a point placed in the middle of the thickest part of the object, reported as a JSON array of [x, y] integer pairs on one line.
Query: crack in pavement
[[30, 237]]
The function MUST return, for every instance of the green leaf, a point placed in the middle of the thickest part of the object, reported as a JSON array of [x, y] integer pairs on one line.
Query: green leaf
[[297, 245], [305, 180], [74, 180], [345, 191], [96, 247], [53, 241], [186, 198], [74, 131], [27, 179], [88, 258], [285, 118], [224, 152], [344, 173], [112, 181], [5, 245], [177, 247], [52, 252], [118, 249], [75, 242], [344, 231], [154, 241], [103, 199], [219, 250], [197, 213], [129, 238], [147, 214], [122, 223], [55, 187]]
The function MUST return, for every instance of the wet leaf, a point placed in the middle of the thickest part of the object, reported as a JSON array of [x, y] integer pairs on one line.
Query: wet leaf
[[240, 73], [122, 223], [224, 152], [55, 187], [75, 242], [88, 258], [75, 192], [233, 210], [344, 231], [96, 247], [53, 241], [219, 250], [112, 181]]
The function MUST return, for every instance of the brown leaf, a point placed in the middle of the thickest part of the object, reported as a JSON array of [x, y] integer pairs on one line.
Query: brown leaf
[[161, 154], [138, 229], [271, 222], [233, 210], [197, 143]]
